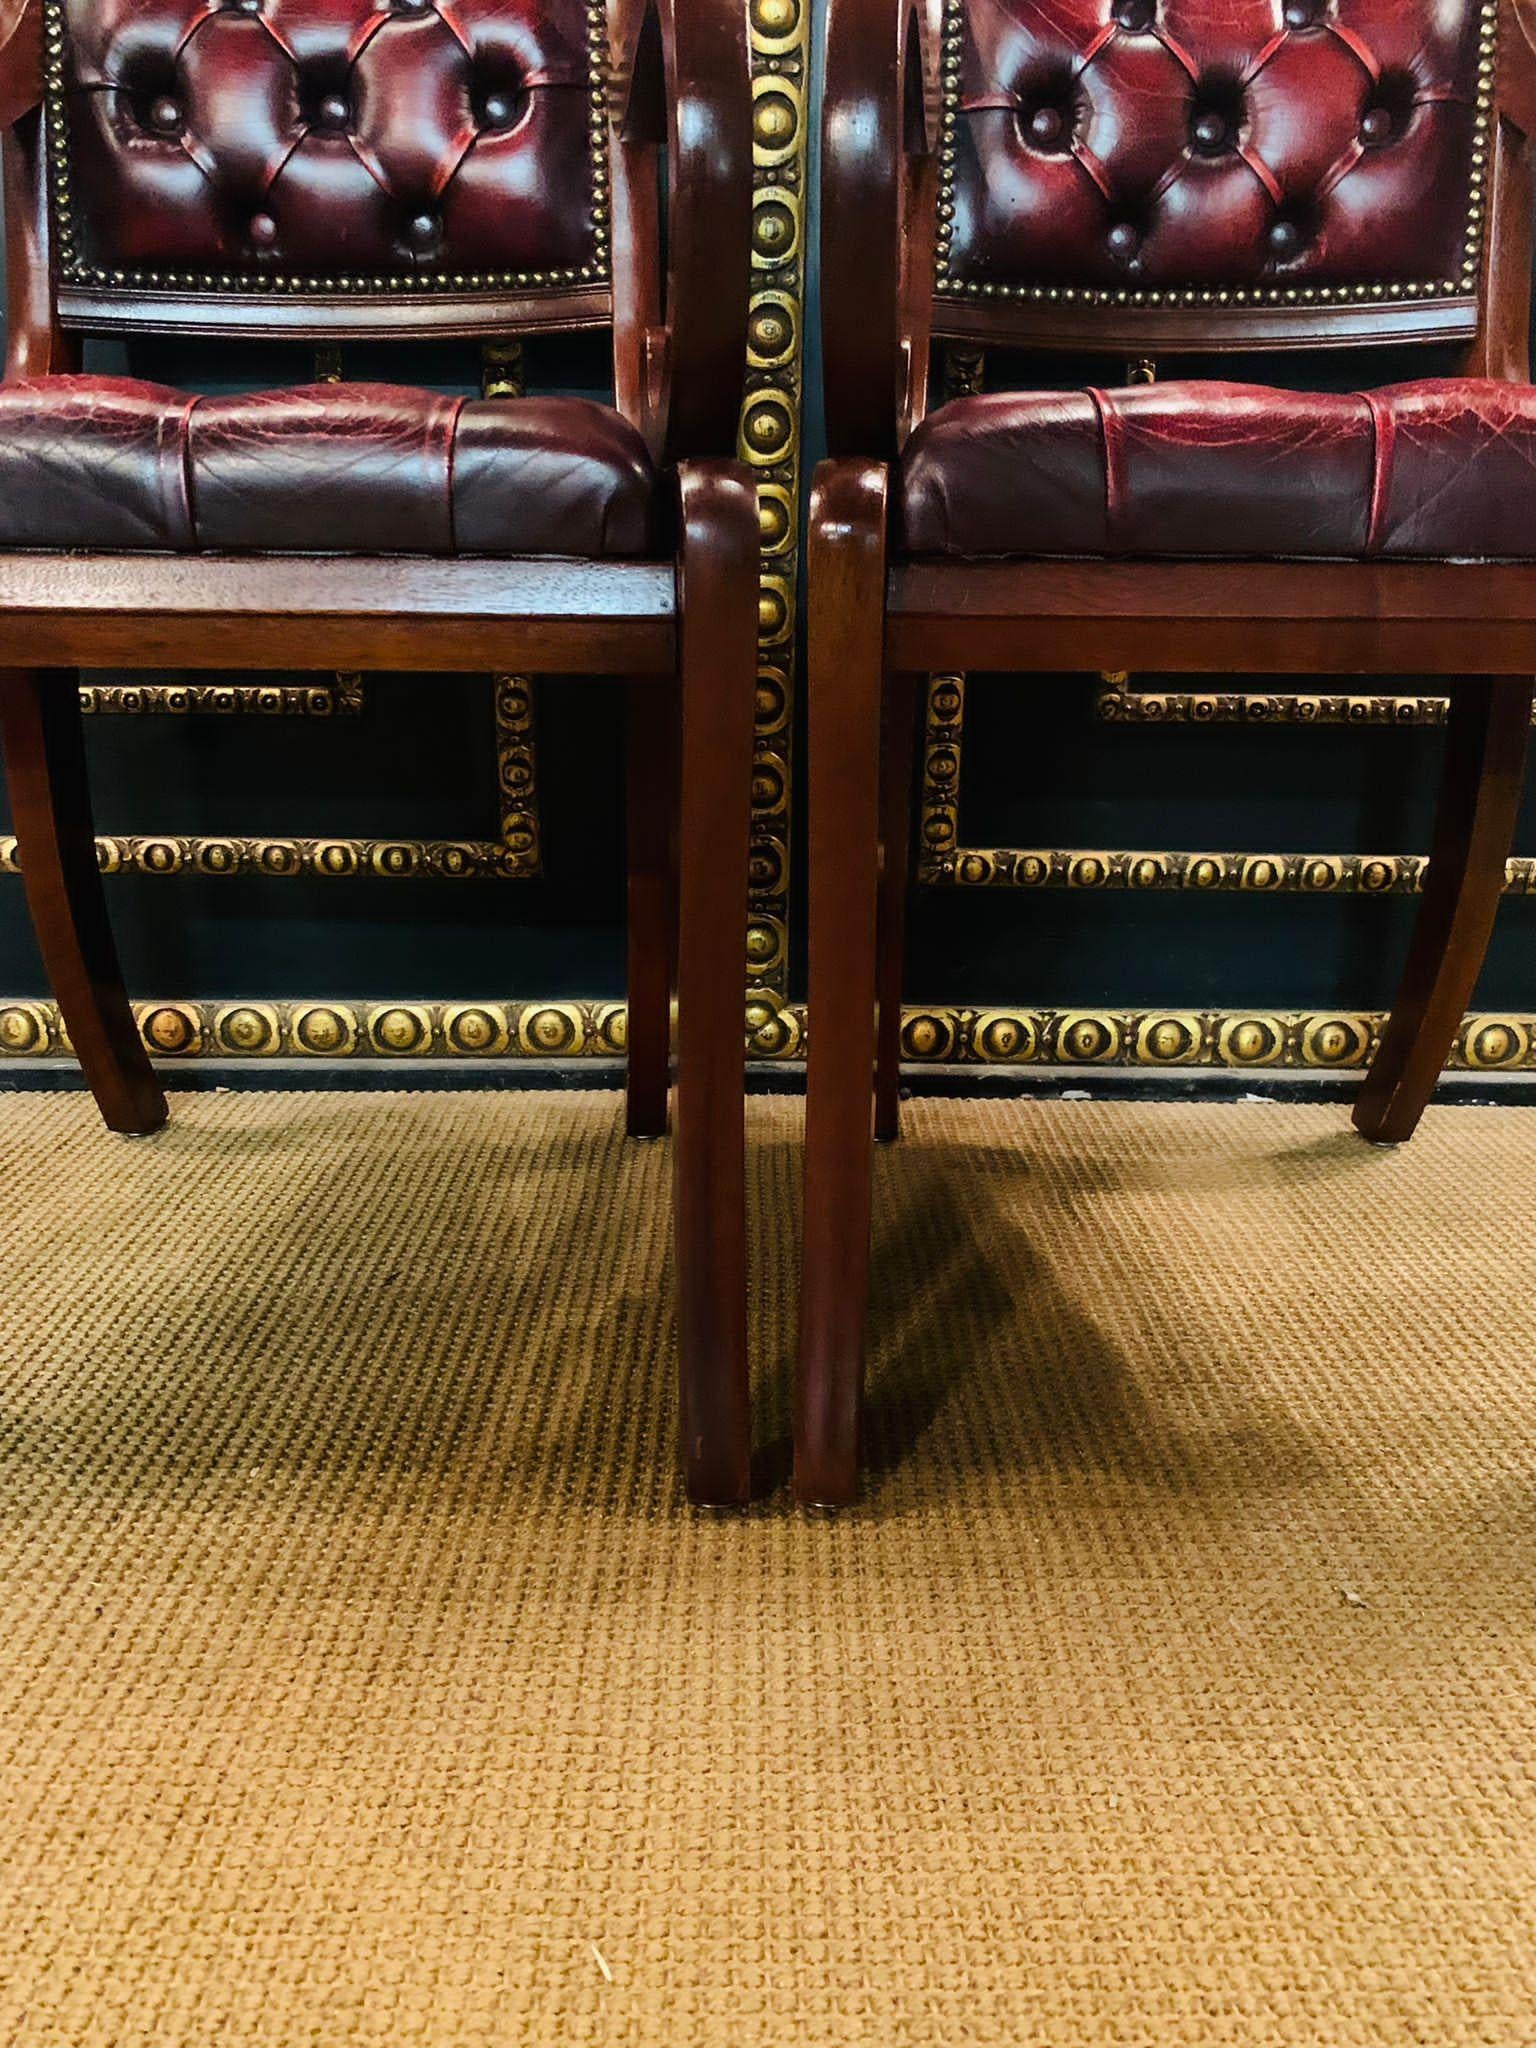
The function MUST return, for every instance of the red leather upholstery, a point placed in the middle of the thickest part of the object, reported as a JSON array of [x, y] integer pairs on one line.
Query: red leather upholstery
[[105, 462], [1442, 469], [326, 138], [1279, 144]]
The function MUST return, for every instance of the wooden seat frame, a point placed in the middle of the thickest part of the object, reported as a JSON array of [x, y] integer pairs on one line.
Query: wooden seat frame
[[682, 632], [879, 624]]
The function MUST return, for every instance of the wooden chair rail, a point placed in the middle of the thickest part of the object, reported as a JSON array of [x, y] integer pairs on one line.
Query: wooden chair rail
[[231, 317], [1314, 618], [310, 612]]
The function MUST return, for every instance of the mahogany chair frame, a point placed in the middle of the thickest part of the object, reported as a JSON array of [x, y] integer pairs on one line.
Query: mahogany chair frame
[[680, 632], [878, 624]]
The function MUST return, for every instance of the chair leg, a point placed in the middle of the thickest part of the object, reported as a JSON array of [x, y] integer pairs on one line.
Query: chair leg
[[718, 605], [1485, 746], [651, 773], [845, 687], [44, 748], [897, 748]]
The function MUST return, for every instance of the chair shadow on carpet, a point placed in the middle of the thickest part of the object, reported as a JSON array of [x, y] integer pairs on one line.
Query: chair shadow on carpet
[[982, 1362], [546, 1373]]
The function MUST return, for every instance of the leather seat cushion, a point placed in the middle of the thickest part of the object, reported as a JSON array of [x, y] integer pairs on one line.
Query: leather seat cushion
[[1443, 468], [111, 463]]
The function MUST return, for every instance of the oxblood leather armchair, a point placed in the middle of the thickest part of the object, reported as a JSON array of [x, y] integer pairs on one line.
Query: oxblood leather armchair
[[331, 168], [1140, 177]]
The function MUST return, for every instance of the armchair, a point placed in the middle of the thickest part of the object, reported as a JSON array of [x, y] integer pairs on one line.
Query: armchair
[[1144, 178], [325, 169]]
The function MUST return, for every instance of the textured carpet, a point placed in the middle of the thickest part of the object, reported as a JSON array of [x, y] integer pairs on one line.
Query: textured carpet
[[364, 1679]]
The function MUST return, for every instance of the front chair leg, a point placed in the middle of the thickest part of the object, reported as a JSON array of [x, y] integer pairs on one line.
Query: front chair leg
[[1485, 744], [844, 690], [717, 626], [651, 773], [44, 746]]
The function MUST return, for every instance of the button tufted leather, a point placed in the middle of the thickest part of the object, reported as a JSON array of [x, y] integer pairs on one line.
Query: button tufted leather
[[328, 138], [1443, 469], [1213, 143], [103, 462]]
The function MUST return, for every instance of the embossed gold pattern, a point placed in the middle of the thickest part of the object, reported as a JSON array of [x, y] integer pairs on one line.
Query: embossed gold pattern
[[516, 855], [770, 442], [1118, 703], [931, 1035], [944, 862], [338, 698]]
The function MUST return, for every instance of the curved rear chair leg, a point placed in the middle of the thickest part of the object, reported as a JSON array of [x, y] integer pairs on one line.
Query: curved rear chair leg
[[44, 745], [1485, 744], [897, 748], [651, 767], [717, 625], [844, 689]]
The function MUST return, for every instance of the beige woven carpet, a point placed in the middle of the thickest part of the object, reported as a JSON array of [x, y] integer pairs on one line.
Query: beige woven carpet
[[365, 1680]]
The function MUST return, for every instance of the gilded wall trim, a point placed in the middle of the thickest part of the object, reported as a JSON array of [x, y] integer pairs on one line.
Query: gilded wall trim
[[1261, 874], [1254, 1040], [1116, 703], [515, 855], [943, 861], [770, 442], [341, 697]]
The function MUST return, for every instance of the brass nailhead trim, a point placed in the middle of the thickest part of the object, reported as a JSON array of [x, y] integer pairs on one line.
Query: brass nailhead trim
[[1464, 285], [74, 270]]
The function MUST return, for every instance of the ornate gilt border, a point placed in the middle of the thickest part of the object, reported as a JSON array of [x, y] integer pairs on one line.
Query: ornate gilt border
[[770, 442], [1250, 1040], [1463, 285], [75, 270], [942, 861], [1118, 704]]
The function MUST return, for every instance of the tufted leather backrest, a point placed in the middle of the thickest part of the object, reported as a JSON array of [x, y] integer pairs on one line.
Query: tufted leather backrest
[[1198, 152], [327, 146]]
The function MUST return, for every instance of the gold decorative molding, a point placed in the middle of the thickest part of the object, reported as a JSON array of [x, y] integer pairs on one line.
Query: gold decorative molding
[[340, 1029], [514, 856], [770, 442], [934, 1035], [338, 697], [1239, 1039], [1118, 704], [942, 861], [281, 860], [1261, 874]]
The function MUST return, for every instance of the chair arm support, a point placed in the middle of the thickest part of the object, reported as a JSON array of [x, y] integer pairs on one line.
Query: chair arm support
[[878, 157], [681, 302]]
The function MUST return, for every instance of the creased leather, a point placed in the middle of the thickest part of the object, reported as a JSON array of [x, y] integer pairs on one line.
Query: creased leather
[[1441, 469], [93, 462], [329, 137], [1145, 143], [97, 462]]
